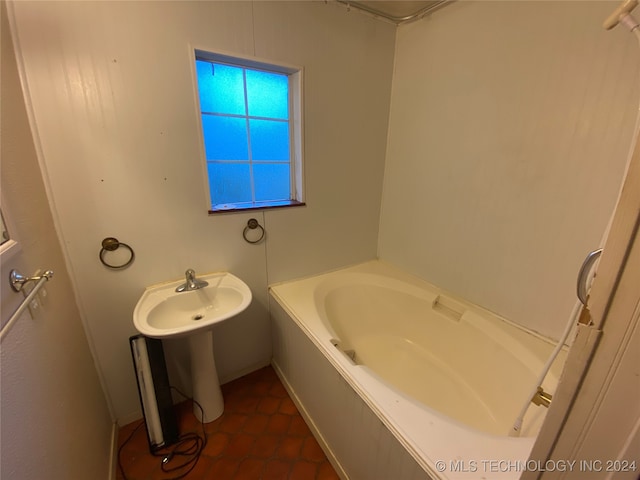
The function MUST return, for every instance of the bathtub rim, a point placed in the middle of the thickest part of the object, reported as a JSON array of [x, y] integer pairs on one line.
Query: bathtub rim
[[414, 279]]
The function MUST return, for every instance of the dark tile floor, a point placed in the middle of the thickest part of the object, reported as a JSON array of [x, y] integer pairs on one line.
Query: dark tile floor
[[260, 436]]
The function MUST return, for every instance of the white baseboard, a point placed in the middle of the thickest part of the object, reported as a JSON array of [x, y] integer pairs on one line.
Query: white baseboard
[[244, 371], [113, 464]]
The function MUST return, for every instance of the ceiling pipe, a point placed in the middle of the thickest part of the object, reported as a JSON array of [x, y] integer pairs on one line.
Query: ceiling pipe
[[398, 20]]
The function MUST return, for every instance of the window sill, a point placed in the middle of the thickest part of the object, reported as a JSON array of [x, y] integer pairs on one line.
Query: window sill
[[244, 207]]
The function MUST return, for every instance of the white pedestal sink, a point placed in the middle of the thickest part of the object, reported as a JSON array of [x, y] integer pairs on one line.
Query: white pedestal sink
[[204, 377], [162, 312]]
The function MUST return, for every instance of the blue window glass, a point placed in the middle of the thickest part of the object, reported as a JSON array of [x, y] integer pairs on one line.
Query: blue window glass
[[269, 140], [221, 88], [272, 181], [229, 182], [225, 138], [267, 94], [246, 132]]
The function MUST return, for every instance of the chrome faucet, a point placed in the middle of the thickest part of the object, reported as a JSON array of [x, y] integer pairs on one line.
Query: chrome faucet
[[192, 282]]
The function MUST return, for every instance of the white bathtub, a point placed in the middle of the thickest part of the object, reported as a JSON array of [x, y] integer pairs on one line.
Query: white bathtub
[[446, 378]]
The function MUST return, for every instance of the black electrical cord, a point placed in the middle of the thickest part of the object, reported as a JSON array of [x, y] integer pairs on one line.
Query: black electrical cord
[[123, 445], [189, 447]]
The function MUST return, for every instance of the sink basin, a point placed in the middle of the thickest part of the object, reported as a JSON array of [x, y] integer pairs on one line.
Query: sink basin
[[162, 312]]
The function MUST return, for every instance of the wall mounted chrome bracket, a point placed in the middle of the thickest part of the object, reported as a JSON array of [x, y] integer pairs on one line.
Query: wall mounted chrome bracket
[[17, 280]]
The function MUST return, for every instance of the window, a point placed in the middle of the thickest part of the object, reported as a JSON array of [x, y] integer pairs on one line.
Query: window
[[9, 245], [251, 120]]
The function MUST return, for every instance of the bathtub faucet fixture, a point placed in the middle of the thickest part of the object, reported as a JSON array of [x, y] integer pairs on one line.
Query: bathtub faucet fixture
[[542, 398], [192, 282]]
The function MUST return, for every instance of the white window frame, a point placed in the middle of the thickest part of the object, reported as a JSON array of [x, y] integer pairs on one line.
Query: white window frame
[[296, 127], [10, 247]]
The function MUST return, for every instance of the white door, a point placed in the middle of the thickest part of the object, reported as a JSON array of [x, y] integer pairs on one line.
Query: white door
[[594, 418]]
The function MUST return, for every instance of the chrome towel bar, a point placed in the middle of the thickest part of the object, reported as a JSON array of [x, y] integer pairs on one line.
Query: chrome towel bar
[[17, 282]]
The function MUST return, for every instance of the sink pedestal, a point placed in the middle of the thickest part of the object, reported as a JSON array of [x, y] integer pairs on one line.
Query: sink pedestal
[[206, 387], [168, 310]]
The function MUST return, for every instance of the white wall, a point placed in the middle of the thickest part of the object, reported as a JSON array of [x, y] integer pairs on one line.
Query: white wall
[[54, 417], [509, 121], [348, 59], [509, 131], [114, 103]]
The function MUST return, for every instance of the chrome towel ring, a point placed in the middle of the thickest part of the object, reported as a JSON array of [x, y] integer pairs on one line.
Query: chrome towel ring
[[252, 224], [111, 244]]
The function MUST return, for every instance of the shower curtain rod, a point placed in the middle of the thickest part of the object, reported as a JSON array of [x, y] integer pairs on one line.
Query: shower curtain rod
[[398, 20]]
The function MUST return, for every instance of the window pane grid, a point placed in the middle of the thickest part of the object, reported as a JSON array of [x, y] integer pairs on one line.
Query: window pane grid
[[246, 114], [260, 162], [252, 117], [267, 138]]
